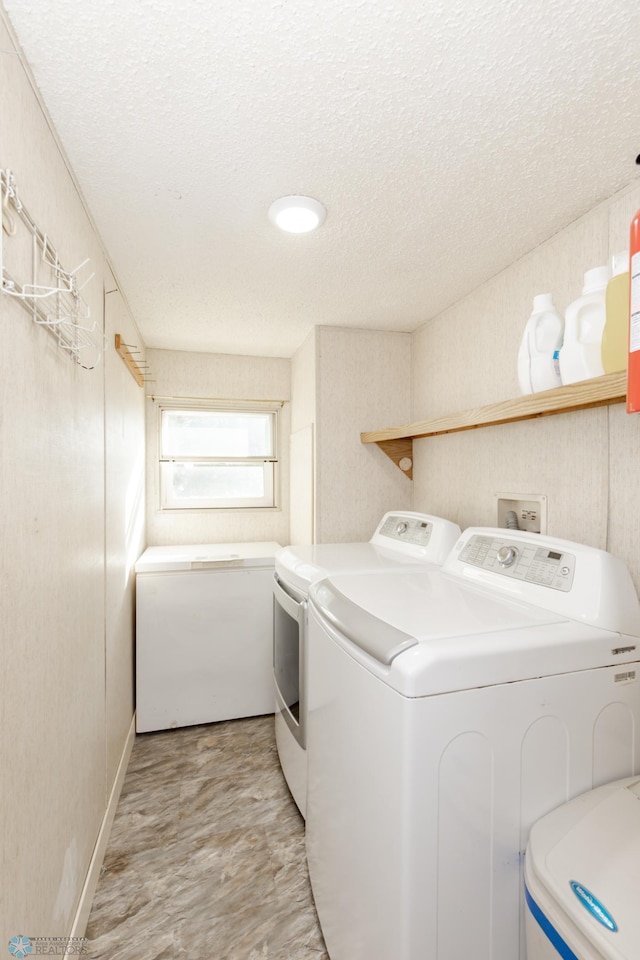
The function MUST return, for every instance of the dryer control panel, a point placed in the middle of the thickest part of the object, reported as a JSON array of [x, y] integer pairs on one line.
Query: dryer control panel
[[521, 561], [408, 529]]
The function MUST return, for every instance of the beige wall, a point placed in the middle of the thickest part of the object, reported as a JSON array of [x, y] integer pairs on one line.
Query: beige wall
[[585, 462], [363, 377], [346, 381], [303, 384], [124, 519], [302, 527], [221, 377], [65, 698]]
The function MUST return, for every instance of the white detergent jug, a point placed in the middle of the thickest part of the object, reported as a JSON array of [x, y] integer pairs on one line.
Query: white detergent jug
[[542, 337], [580, 356]]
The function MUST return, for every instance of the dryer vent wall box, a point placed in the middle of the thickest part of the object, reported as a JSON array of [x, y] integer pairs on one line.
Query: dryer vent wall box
[[530, 510], [204, 623]]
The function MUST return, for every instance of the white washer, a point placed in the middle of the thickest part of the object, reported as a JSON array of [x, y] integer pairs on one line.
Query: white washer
[[448, 711], [203, 633], [402, 538], [582, 877]]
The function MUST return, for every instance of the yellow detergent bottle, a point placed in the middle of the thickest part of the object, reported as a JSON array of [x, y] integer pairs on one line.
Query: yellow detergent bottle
[[615, 336]]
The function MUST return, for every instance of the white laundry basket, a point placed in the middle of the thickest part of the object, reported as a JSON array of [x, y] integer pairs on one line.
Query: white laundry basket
[[582, 877]]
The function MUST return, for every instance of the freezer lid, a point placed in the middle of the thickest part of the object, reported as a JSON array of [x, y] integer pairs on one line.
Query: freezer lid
[[585, 855], [203, 556]]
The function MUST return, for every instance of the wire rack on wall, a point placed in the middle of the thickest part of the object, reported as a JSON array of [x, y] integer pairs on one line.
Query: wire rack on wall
[[52, 297]]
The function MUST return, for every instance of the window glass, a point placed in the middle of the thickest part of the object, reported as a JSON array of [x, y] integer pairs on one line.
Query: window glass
[[212, 433], [217, 458]]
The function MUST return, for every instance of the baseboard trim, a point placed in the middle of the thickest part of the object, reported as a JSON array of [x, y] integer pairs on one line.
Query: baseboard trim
[[93, 873]]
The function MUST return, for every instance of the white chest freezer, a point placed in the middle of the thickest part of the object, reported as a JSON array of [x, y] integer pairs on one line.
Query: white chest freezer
[[203, 634]]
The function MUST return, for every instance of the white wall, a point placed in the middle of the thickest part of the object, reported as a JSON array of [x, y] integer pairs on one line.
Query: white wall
[[65, 628], [585, 462], [179, 374]]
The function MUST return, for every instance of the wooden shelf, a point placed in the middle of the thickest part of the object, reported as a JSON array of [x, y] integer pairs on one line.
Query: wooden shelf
[[397, 442], [134, 369]]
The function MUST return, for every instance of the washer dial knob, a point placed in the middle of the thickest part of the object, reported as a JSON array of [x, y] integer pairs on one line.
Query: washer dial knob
[[402, 527], [507, 556]]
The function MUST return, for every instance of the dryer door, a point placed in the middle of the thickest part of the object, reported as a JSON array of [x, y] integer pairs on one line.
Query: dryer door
[[289, 617]]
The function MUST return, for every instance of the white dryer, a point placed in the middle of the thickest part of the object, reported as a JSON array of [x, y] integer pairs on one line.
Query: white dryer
[[448, 711], [401, 538]]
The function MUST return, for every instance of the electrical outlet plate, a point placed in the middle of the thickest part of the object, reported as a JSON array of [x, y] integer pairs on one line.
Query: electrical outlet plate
[[530, 509]]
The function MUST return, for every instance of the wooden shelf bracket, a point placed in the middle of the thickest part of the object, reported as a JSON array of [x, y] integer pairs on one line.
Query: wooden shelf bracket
[[401, 452]]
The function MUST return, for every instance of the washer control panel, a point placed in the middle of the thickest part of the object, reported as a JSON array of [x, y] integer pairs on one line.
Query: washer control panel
[[521, 561], [408, 529]]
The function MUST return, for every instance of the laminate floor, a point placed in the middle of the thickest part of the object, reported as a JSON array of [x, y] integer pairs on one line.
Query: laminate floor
[[206, 857]]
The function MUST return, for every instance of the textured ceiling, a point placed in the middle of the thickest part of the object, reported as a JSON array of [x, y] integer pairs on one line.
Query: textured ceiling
[[446, 138]]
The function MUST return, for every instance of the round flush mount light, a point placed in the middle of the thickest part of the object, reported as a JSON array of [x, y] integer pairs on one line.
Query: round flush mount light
[[297, 214]]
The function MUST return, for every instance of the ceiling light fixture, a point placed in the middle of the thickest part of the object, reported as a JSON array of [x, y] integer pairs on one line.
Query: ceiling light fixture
[[297, 214]]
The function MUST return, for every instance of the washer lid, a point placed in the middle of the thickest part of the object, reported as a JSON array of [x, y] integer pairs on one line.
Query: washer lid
[[204, 556], [586, 857], [443, 634]]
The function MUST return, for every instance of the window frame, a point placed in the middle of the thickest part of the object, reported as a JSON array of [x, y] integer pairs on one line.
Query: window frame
[[270, 501]]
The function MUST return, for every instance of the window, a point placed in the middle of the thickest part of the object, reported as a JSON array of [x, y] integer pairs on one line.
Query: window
[[218, 455]]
